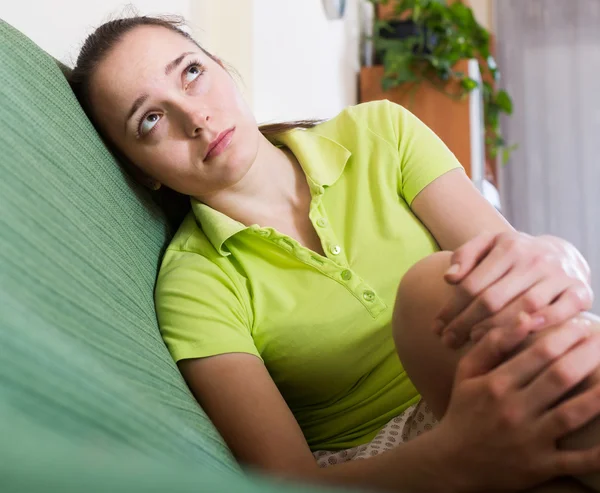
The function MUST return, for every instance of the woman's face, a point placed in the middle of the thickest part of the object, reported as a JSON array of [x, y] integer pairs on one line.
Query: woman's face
[[165, 104]]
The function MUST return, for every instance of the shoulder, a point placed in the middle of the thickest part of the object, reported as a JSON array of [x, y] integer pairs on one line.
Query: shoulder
[[382, 118], [189, 237], [189, 254], [194, 279], [375, 112], [372, 114]]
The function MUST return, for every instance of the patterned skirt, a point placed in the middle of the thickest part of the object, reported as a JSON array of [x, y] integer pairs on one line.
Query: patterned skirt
[[409, 424]]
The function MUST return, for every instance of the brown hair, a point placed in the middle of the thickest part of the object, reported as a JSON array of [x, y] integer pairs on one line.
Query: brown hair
[[94, 50]]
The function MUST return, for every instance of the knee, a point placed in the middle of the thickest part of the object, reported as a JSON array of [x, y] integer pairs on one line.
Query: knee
[[422, 292], [421, 295]]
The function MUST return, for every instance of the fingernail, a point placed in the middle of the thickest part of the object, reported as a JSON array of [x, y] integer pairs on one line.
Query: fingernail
[[454, 268], [438, 325], [537, 321], [449, 339]]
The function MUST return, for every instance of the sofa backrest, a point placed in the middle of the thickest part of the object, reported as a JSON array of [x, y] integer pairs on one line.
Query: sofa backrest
[[80, 244]]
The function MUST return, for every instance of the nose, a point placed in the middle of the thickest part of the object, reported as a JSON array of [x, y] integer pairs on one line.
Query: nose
[[195, 121]]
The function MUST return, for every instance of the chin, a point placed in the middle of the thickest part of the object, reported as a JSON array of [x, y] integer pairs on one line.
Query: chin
[[229, 173], [238, 164]]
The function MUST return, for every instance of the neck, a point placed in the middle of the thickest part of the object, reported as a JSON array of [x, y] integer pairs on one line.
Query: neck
[[274, 187]]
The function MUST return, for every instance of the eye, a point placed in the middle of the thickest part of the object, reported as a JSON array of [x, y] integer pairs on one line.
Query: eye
[[192, 72], [147, 123]]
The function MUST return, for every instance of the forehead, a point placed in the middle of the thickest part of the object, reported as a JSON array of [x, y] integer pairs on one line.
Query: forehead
[[135, 65]]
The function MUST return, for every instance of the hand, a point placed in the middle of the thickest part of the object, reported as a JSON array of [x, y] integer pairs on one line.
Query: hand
[[498, 433], [515, 281]]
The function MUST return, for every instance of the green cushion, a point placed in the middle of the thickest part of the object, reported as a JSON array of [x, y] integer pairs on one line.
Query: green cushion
[[40, 460], [80, 350]]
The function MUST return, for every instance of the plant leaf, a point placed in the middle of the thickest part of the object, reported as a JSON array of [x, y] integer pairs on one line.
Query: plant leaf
[[398, 65], [504, 101], [468, 84]]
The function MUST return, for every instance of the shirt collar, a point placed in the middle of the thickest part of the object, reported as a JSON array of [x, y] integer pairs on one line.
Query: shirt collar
[[322, 159]]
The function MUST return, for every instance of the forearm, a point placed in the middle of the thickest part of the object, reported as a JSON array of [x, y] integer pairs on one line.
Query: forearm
[[413, 467]]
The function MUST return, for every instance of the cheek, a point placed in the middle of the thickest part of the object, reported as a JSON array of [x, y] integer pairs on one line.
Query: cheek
[[229, 101], [162, 160], [231, 109]]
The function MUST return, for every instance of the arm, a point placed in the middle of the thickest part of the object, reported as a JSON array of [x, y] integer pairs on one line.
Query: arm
[[470, 215], [505, 278], [241, 399], [455, 212]]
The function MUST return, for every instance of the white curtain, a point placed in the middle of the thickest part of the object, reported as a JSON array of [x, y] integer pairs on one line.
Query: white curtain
[[549, 55]]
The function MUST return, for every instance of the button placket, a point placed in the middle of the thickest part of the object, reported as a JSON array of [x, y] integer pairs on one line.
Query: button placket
[[346, 277], [367, 296], [329, 242]]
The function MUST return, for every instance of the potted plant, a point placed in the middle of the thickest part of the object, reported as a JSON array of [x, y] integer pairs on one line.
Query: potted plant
[[423, 44]]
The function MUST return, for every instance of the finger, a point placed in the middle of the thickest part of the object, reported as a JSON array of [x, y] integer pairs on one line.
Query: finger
[[490, 352], [522, 325], [563, 375], [571, 414], [523, 367], [493, 300], [568, 303], [490, 269], [573, 462], [533, 302], [467, 256]]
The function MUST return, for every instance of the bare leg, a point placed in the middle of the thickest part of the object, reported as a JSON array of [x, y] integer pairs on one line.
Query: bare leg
[[421, 295]]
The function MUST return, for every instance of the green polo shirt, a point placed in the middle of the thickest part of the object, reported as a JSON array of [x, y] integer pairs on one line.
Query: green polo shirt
[[320, 324]]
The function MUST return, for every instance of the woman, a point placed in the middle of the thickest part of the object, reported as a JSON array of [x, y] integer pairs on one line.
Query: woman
[[277, 295]]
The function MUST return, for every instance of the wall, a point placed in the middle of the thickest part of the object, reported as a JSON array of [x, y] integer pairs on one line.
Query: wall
[[292, 62], [305, 66], [483, 10], [228, 33]]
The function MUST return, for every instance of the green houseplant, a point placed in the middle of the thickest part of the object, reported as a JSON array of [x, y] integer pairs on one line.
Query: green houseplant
[[425, 46]]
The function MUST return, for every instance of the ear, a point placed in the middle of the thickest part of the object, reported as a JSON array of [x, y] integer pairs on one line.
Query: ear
[[155, 185], [144, 179], [136, 173], [149, 182]]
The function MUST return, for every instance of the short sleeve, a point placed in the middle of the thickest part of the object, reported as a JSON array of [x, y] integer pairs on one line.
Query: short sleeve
[[423, 156], [201, 311]]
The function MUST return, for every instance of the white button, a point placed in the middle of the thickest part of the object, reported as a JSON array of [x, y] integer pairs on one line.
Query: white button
[[368, 295], [335, 249]]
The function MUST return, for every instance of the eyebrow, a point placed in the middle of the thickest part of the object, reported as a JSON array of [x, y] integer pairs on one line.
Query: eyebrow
[[142, 99]]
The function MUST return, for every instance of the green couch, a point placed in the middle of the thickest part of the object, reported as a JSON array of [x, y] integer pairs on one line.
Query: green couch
[[90, 399]]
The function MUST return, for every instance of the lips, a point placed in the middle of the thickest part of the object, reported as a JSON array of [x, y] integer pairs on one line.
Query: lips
[[219, 144]]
